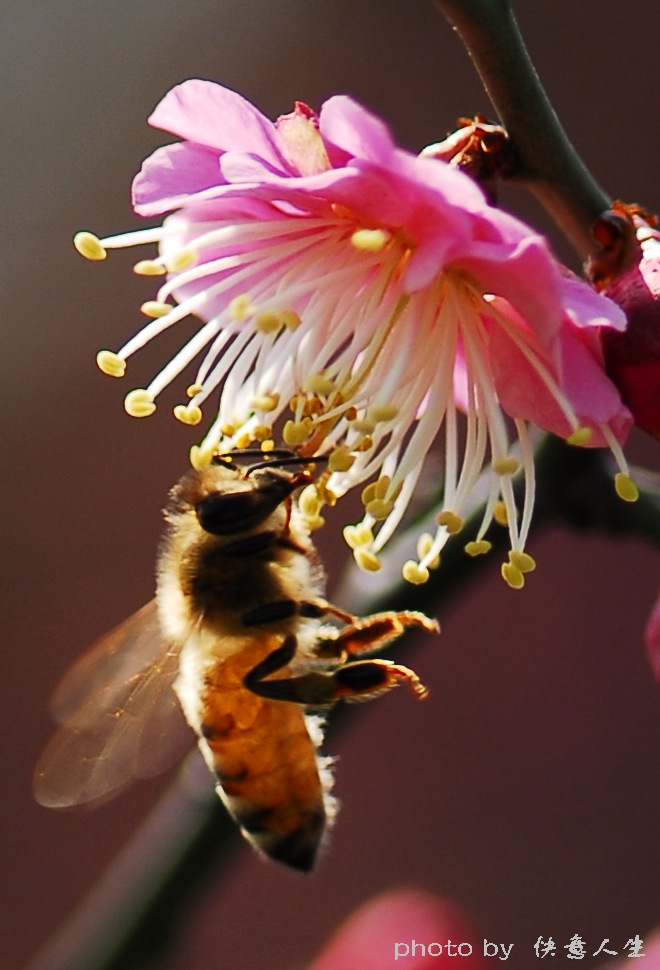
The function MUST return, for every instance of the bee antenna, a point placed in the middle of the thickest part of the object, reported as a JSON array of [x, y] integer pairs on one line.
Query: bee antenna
[[290, 459]]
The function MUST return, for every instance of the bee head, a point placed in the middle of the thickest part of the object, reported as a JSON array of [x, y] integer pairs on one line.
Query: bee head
[[244, 496]]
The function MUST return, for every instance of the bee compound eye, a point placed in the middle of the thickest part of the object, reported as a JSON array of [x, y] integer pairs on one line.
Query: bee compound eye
[[222, 515]]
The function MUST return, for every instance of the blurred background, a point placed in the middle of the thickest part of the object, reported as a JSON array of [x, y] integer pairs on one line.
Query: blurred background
[[526, 787]]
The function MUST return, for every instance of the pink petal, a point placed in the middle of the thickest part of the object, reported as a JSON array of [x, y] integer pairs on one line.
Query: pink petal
[[580, 376], [171, 175], [586, 308], [652, 640], [367, 939], [350, 127], [212, 115]]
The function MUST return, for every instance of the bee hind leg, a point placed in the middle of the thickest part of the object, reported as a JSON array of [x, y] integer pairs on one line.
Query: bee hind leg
[[362, 680], [368, 634]]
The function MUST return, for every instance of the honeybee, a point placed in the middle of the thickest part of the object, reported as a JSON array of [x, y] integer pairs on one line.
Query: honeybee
[[237, 639]]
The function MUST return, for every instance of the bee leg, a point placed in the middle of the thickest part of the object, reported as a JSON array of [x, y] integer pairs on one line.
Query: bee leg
[[362, 680], [285, 609], [369, 634]]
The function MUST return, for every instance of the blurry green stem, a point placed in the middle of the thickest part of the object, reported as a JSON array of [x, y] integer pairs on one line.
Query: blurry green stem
[[548, 163]]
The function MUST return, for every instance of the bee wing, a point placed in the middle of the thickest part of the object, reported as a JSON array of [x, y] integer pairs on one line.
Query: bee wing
[[120, 717]]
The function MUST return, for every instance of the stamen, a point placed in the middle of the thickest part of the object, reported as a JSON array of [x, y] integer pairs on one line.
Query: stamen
[[295, 432], [139, 403], [266, 402], [382, 412], [194, 389], [201, 455], [319, 384], [501, 513], [309, 502], [341, 459], [183, 259], [149, 267], [414, 573], [452, 522], [512, 576], [89, 246], [479, 547], [240, 308], [522, 561], [371, 240], [366, 560], [358, 536], [625, 487], [581, 436], [379, 508], [110, 363], [424, 546], [188, 413], [155, 309], [268, 322], [505, 466], [290, 319]]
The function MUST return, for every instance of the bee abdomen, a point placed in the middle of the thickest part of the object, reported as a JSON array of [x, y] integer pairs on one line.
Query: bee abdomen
[[270, 830], [264, 758]]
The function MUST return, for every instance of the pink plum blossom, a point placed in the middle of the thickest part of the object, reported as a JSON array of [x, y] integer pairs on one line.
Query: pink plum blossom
[[381, 934], [361, 302]]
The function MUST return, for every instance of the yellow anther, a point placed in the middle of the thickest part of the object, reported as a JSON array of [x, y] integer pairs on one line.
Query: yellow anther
[[370, 240], [500, 513], [581, 436], [295, 432], [110, 363], [240, 308], [194, 389], [155, 309], [314, 405], [452, 522], [309, 502], [505, 466], [139, 403], [293, 403], [478, 548], [368, 493], [267, 445], [268, 322], [262, 432], [244, 440], [183, 259], [412, 572], [424, 546], [201, 455], [379, 508], [266, 402], [341, 459], [314, 522], [149, 267], [290, 319], [364, 445], [382, 412], [522, 561], [512, 576], [358, 536], [364, 425], [327, 496], [367, 560], [319, 384], [89, 246], [625, 487], [188, 414], [229, 430]]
